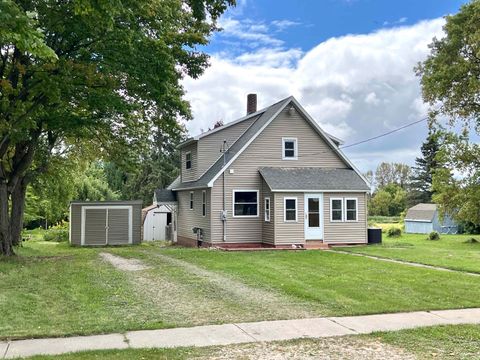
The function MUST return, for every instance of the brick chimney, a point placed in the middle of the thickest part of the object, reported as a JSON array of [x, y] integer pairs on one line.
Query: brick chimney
[[251, 103]]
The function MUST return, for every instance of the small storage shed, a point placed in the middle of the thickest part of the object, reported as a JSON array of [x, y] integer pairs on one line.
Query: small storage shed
[[424, 218], [100, 223], [156, 218]]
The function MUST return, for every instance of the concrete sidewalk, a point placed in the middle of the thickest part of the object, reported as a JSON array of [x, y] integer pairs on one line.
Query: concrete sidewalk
[[240, 333]]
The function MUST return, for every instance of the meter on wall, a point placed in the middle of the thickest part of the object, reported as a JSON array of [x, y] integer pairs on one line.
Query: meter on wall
[[223, 215]]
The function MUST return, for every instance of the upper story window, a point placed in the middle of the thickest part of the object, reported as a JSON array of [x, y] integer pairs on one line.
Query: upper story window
[[290, 209], [351, 209], [336, 209], [188, 160], [289, 149], [245, 203]]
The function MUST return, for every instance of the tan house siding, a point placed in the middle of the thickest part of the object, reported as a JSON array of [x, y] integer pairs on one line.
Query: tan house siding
[[189, 174], [287, 233], [209, 146], [188, 219], [266, 150], [346, 232], [268, 229]]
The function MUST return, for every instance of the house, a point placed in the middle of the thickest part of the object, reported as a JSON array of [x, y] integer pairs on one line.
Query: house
[[424, 218], [273, 178]]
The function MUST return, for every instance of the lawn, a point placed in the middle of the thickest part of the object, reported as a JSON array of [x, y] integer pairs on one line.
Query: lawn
[[440, 342], [451, 251], [52, 289]]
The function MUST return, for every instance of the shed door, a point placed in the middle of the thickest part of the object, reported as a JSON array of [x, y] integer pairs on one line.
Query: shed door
[[95, 226], [118, 229]]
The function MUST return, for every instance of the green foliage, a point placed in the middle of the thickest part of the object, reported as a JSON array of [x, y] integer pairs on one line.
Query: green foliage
[[451, 85], [385, 219], [57, 233], [434, 235], [96, 76], [468, 228], [421, 180], [92, 185], [392, 173], [388, 201], [394, 232]]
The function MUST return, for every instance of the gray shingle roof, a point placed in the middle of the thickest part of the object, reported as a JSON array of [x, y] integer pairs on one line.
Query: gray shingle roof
[[314, 179], [421, 212], [165, 195]]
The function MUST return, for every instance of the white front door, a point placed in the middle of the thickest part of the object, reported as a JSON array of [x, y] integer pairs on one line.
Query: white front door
[[314, 216]]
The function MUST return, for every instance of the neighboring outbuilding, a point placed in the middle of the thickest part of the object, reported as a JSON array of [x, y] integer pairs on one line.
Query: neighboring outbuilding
[[424, 218], [156, 222], [100, 223]]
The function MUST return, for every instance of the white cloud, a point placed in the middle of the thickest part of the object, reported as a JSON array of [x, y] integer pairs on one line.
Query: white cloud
[[281, 25], [395, 22], [355, 86]]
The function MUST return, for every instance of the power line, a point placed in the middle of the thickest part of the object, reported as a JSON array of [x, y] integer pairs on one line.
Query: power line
[[384, 134]]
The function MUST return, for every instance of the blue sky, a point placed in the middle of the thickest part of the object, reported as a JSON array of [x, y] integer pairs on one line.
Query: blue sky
[[314, 21], [350, 63]]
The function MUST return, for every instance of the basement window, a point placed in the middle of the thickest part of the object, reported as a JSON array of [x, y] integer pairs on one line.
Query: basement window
[[245, 203]]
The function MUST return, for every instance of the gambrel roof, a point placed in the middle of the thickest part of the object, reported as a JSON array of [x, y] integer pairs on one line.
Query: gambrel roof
[[264, 118]]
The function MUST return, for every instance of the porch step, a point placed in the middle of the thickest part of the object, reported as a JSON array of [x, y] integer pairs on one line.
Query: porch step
[[316, 245]]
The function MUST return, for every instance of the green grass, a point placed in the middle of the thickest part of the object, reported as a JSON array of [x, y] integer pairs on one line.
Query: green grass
[[339, 284], [451, 251], [52, 289], [384, 219], [439, 342]]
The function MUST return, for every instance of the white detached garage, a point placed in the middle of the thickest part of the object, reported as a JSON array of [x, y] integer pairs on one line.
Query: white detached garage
[[101, 223]]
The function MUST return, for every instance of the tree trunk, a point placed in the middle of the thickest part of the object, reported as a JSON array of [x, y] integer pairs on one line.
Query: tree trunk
[[18, 207], [6, 246]]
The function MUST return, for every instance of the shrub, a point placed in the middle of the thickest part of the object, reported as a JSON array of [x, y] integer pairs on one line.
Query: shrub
[[434, 236], [57, 233], [394, 232]]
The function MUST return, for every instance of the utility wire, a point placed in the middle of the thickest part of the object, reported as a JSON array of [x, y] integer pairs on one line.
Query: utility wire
[[384, 134]]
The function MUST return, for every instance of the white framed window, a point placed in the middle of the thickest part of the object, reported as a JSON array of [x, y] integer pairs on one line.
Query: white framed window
[[267, 209], [289, 149], [188, 160], [336, 209], [245, 203], [191, 200], [290, 209], [204, 203], [351, 209]]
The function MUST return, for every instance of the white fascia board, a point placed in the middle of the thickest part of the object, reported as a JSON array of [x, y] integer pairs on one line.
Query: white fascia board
[[210, 184], [329, 140]]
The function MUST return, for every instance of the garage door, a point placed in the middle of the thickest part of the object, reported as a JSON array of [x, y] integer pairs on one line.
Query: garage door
[[95, 226], [107, 225], [118, 228]]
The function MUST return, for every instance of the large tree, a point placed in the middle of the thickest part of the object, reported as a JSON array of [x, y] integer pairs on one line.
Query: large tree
[[392, 173], [104, 72], [450, 78], [425, 166]]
